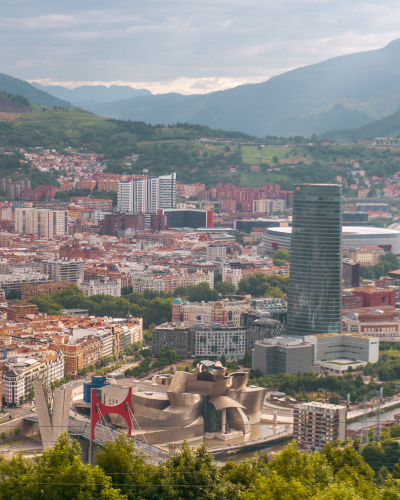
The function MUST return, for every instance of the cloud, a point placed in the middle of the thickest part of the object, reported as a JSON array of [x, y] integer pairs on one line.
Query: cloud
[[183, 45]]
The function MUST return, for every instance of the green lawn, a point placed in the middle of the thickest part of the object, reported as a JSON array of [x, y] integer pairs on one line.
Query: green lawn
[[254, 156], [260, 178], [181, 368]]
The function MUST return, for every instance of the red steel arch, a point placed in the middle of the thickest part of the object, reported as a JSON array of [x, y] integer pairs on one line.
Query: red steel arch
[[122, 408]]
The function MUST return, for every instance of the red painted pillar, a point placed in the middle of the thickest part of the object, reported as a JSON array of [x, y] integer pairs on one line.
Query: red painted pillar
[[121, 409]]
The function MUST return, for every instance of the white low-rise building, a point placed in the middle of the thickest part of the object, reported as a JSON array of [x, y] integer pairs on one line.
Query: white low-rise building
[[101, 287]]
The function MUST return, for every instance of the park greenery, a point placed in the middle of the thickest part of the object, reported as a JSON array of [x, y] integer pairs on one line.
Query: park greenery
[[330, 387], [166, 356], [388, 262], [262, 285], [152, 306], [197, 293], [121, 474]]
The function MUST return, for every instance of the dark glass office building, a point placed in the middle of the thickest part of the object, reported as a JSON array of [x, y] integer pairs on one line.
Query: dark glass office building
[[315, 282]]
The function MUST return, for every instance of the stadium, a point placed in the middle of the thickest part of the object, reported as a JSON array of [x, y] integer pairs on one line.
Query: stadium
[[275, 238]]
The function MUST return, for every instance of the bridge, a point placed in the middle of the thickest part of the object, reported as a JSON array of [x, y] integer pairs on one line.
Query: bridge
[[79, 426]]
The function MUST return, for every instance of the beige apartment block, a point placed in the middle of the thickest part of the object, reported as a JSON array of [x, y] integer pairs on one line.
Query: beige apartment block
[[43, 222]]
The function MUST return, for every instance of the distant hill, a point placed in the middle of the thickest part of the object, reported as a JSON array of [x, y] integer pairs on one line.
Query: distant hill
[[284, 102], [386, 127], [19, 87], [92, 94], [10, 103]]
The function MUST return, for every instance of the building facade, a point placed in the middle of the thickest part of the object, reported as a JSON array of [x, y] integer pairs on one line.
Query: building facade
[[315, 287], [282, 355], [101, 287], [316, 424], [43, 222], [67, 270]]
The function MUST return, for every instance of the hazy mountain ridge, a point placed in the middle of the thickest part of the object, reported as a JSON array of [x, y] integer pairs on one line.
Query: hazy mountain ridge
[[20, 87], [262, 108], [92, 94], [386, 127]]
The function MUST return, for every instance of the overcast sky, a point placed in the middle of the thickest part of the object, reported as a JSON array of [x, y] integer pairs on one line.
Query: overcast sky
[[184, 46]]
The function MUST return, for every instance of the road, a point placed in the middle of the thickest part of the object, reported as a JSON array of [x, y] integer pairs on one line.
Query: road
[[358, 413]]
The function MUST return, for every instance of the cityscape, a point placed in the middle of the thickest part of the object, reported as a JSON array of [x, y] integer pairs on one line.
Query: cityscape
[[200, 251]]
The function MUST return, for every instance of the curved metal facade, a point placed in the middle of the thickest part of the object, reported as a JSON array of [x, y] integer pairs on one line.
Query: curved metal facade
[[315, 281]]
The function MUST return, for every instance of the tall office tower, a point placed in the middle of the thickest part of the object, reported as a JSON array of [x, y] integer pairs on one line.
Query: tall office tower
[[315, 281], [167, 191], [125, 197], [43, 222]]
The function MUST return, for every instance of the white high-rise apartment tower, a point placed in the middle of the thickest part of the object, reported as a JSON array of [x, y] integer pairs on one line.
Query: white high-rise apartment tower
[[125, 197], [147, 195]]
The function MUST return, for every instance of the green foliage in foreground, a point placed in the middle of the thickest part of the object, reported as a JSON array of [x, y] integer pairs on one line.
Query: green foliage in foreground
[[120, 474], [153, 307]]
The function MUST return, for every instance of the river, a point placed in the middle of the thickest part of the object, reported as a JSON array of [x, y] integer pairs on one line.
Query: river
[[385, 416]]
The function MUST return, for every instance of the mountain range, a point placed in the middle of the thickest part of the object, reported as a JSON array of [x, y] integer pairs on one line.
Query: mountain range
[[346, 92], [20, 87], [92, 94]]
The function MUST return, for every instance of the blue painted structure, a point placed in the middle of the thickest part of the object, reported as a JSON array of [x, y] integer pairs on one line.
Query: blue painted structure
[[97, 382]]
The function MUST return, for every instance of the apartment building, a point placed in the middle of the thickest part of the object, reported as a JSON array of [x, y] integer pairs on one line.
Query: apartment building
[[207, 313], [43, 222], [316, 424], [269, 206], [147, 194], [103, 286], [179, 336], [67, 270], [16, 280], [216, 252], [24, 369], [29, 290], [18, 310], [221, 340]]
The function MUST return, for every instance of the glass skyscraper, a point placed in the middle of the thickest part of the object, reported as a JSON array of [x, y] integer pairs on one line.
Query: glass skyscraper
[[315, 281]]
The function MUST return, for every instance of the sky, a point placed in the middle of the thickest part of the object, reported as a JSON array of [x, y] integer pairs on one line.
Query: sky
[[184, 46]]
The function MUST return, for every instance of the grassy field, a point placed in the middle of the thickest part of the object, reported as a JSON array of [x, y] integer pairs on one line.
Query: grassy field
[[254, 156], [181, 368], [260, 178]]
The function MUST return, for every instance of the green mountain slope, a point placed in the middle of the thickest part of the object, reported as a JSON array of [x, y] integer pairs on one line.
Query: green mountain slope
[[386, 127], [257, 109], [25, 89]]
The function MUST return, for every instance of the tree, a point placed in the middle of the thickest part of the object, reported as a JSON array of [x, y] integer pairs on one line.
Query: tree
[[14, 295], [282, 255], [126, 469], [225, 288], [192, 475], [58, 473]]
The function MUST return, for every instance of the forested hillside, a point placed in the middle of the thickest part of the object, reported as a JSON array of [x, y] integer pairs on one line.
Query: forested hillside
[[25, 89]]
